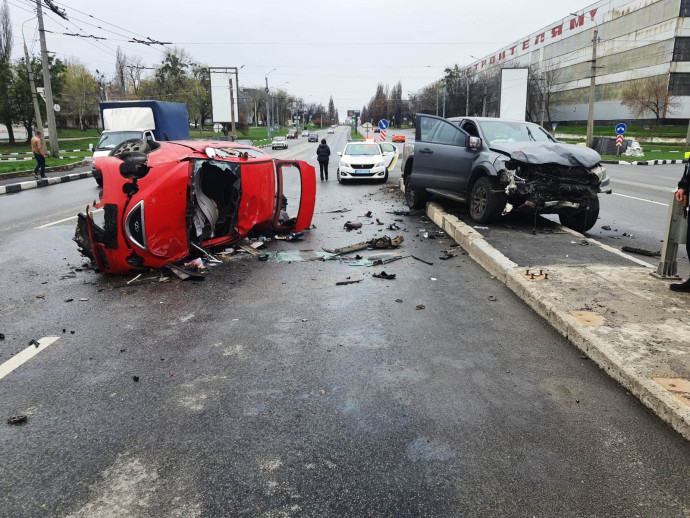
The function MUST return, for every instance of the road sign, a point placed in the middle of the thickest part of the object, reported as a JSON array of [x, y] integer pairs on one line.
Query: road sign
[[383, 124], [217, 127], [619, 140], [56, 107], [621, 128], [367, 126]]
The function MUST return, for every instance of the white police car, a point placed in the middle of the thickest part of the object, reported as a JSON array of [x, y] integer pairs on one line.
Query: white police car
[[367, 160]]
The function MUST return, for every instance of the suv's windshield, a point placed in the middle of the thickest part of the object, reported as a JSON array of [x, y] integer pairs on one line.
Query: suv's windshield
[[506, 131], [362, 150], [115, 138]]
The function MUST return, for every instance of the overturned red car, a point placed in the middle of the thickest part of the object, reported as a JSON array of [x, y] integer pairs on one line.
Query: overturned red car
[[162, 200]]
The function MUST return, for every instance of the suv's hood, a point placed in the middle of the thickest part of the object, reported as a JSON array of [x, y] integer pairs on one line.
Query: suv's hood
[[548, 153]]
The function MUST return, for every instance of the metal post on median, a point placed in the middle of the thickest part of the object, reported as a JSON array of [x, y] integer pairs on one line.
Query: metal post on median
[[675, 234]]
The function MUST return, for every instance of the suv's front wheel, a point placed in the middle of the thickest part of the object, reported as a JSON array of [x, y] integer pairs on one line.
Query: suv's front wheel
[[414, 196], [486, 204], [583, 220]]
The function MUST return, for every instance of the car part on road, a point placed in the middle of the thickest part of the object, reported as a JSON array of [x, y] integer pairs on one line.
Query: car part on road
[[352, 225], [380, 243], [421, 260], [641, 251], [384, 275], [420, 306], [18, 419], [344, 283]]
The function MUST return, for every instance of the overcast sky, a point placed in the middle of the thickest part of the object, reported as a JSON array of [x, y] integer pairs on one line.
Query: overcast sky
[[324, 47]]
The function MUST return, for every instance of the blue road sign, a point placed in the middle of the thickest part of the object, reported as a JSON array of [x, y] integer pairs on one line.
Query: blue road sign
[[383, 124], [621, 128]]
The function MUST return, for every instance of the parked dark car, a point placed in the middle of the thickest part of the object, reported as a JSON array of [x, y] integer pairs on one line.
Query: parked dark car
[[313, 137], [497, 165]]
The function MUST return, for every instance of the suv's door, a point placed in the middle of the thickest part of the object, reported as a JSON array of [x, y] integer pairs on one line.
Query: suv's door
[[390, 154], [441, 157]]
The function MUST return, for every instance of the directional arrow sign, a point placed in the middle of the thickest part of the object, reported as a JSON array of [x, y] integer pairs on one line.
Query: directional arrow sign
[[621, 128], [383, 124]]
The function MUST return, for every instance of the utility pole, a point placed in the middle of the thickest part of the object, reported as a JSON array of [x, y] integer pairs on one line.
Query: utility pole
[[486, 93], [444, 102], [467, 96], [592, 90], [437, 102], [52, 128], [232, 113], [34, 95], [268, 110], [256, 122]]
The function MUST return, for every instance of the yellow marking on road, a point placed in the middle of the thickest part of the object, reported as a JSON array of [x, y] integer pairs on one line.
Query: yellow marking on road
[[63, 220], [19, 359]]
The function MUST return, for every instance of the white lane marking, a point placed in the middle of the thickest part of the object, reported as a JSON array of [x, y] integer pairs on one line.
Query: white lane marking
[[19, 359], [641, 199], [643, 185], [63, 220], [607, 247]]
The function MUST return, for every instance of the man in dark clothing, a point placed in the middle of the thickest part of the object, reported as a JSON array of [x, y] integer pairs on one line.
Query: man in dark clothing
[[682, 197], [322, 154]]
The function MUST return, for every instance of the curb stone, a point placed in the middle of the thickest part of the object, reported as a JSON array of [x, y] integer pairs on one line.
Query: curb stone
[[596, 347], [644, 162], [43, 182]]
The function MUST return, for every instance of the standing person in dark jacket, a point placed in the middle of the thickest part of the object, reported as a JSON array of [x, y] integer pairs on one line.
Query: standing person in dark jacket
[[323, 152], [682, 197]]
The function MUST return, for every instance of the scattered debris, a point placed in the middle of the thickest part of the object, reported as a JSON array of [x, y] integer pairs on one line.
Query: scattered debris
[[183, 274], [69, 300], [209, 256], [399, 301], [68, 275], [263, 257], [2, 336], [377, 260], [136, 379], [447, 254], [334, 211], [421, 260], [420, 306], [433, 279], [426, 235], [641, 251], [605, 227], [393, 226], [625, 234], [196, 264], [352, 225], [249, 249], [293, 236], [41, 296], [297, 256], [478, 227], [84, 300], [384, 275], [379, 222], [403, 212], [343, 283], [492, 298], [135, 278], [368, 214], [378, 242], [18, 419]]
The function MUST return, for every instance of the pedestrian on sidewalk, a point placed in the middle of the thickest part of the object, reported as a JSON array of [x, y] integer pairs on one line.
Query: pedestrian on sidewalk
[[323, 152], [682, 197], [39, 154]]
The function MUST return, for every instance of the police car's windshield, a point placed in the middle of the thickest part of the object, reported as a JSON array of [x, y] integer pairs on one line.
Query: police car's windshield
[[362, 150], [508, 131]]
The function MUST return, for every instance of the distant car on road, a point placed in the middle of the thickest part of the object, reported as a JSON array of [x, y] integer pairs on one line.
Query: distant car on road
[[377, 130], [398, 138], [293, 134], [313, 137], [305, 133], [279, 143], [330, 130], [366, 160]]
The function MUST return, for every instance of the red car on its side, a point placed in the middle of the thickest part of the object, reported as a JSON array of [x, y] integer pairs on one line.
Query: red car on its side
[[163, 199]]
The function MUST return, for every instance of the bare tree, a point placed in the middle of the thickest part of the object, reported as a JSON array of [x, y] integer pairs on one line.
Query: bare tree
[[5, 33], [134, 67], [650, 95], [120, 79], [543, 85]]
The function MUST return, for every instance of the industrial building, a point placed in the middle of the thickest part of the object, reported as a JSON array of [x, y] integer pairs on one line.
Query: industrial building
[[637, 39]]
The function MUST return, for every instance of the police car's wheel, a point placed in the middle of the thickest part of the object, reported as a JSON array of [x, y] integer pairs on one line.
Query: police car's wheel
[[338, 177], [385, 176]]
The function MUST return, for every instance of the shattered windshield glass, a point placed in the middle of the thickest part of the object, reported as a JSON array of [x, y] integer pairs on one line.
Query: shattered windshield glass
[[505, 131]]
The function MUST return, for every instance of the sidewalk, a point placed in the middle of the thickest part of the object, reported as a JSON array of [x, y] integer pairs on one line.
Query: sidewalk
[[623, 319]]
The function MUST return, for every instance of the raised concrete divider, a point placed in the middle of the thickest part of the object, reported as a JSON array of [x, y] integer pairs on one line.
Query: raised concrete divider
[[43, 182], [627, 322]]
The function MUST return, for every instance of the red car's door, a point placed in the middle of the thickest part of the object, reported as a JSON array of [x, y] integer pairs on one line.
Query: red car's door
[[308, 193]]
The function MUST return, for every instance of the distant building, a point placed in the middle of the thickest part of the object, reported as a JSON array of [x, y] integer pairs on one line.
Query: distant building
[[638, 39]]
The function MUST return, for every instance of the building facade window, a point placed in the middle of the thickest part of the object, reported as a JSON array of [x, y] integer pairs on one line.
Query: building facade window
[[679, 84], [684, 8], [681, 50]]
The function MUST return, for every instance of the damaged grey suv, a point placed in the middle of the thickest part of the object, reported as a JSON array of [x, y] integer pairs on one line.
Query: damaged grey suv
[[497, 165]]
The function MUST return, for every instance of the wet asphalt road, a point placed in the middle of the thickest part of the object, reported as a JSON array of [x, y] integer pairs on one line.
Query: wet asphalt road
[[267, 390]]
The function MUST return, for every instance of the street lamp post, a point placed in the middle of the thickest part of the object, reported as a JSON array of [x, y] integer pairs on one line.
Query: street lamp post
[[268, 108]]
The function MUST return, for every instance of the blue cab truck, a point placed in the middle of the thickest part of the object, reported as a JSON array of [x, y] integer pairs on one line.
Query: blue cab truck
[[145, 120]]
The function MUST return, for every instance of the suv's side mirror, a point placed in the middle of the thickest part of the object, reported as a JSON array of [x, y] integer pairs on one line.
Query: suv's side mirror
[[474, 143]]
